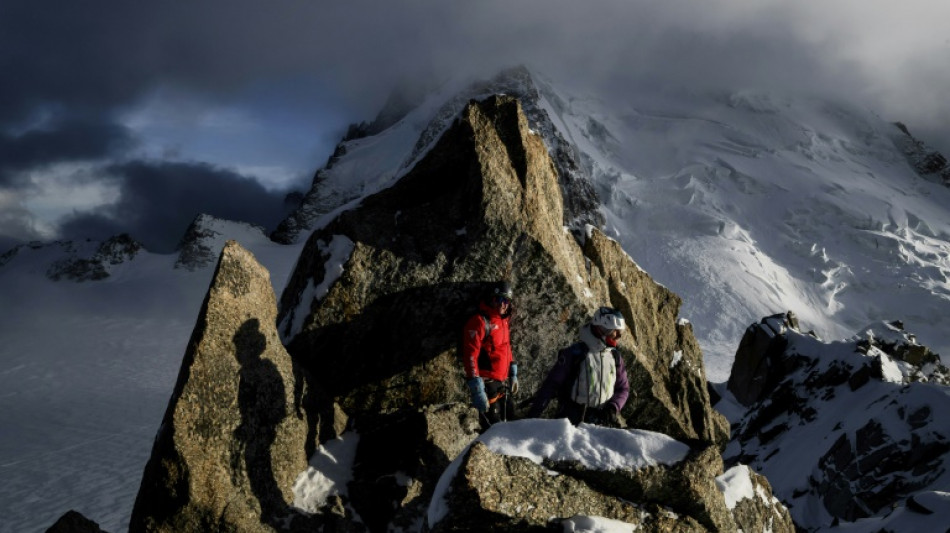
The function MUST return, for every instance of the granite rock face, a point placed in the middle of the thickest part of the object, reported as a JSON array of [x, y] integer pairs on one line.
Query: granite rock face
[[503, 493], [376, 304], [236, 432]]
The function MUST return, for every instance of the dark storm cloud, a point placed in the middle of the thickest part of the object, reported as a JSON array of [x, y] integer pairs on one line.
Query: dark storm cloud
[[63, 141], [100, 59], [159, 200], [106, 54]]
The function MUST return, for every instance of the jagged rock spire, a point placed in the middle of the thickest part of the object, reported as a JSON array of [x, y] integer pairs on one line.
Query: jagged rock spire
[[377, 300], [236, 432]]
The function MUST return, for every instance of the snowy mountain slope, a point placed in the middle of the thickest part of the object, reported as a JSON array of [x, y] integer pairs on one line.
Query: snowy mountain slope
[[744, 203], [846, 430], [86, 369]]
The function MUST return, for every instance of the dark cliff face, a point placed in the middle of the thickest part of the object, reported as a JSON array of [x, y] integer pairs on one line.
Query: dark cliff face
[[857, 418], [926, 161], [376, 304]]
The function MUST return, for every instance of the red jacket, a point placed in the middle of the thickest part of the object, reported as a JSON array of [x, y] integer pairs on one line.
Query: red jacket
[[486, 351]]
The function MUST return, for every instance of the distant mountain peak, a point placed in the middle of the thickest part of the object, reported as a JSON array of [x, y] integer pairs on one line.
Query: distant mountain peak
[[79, 267], [409, 134], [206, 236]]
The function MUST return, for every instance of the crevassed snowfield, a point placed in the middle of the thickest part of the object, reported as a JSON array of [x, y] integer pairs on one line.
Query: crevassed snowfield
[[744, 204], [749, 204]]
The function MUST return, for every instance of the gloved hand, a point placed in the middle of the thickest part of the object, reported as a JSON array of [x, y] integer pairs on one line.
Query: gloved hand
[[513, 376], [594, 415], [614, 418], [605, 415], [479, 399]]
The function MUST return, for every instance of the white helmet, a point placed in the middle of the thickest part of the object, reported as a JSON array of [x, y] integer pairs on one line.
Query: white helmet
[[608, 318]]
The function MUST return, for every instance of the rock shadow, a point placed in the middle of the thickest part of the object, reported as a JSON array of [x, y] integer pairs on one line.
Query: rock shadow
[[261, 399], [388, 339]]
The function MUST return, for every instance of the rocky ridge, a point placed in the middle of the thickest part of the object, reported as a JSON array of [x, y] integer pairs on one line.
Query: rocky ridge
[[202, 242], [483, 204], [867, 409], [369, 320], [78, 266], [925, 160]]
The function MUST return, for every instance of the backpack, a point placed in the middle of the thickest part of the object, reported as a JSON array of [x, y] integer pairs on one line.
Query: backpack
[[579, 354], [483, 360]]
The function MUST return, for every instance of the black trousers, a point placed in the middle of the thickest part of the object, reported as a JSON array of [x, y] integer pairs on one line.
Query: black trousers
[[502, 409]]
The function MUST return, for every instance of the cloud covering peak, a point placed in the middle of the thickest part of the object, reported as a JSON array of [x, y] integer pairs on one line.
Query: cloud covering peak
[[299, 72]]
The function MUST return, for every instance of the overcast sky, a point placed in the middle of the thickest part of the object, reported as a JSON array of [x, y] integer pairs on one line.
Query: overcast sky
[[120, 115]]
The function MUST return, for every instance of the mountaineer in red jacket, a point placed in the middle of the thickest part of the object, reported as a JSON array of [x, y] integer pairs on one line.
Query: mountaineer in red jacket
[[486, 357]]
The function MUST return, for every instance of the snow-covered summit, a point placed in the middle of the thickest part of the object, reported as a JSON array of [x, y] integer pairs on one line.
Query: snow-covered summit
[[205, 237], [370, 159]]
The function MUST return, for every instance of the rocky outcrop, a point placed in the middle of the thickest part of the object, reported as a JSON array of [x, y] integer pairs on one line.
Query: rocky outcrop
[[74, 522], [201, 244], [496, 492], [114, 251], [376, 303], [925, 160], [400, 458], [895, 354], [236, 432], [757, 366], [755, 509], [866, 408]]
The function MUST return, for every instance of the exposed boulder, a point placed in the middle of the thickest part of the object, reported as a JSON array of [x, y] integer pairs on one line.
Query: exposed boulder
[[495, 492], [757, 366], [687, 488], [858, 424], [379, 295], [236, 432], [753, 505], [74, 522], [399, 459], [542, 489]]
